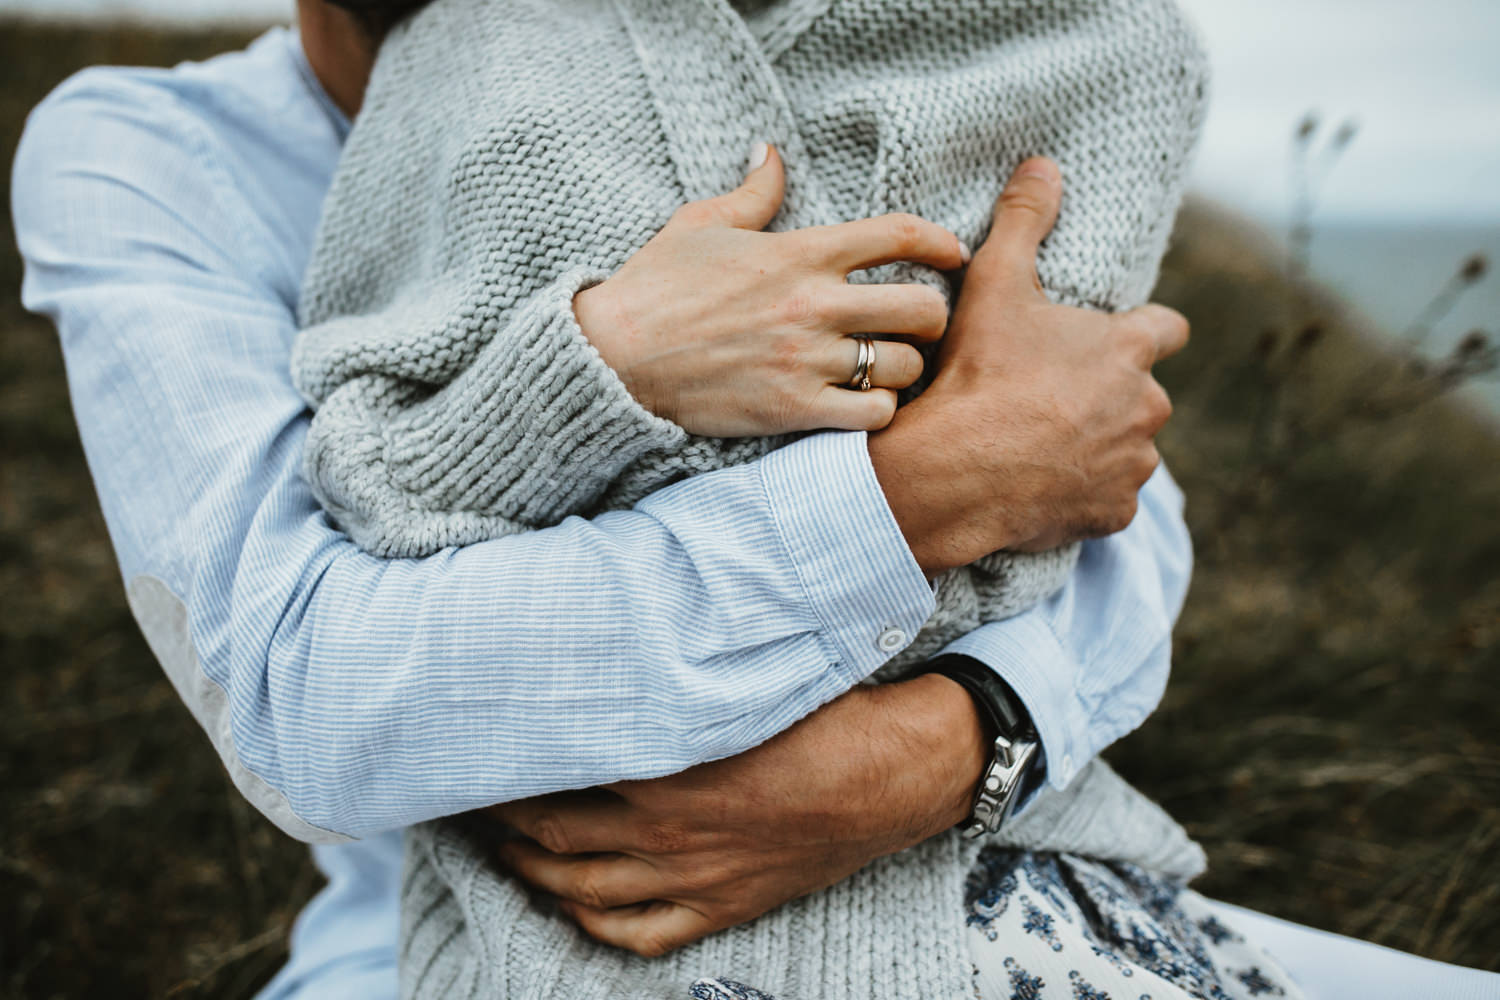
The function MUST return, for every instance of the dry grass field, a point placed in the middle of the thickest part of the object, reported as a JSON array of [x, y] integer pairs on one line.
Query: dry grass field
[[1332, 732]]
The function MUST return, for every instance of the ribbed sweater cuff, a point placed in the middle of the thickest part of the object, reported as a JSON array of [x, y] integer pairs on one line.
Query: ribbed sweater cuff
[[535, 429]]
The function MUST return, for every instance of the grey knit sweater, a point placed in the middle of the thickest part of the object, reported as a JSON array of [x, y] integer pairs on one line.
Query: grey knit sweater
[[509, 154]]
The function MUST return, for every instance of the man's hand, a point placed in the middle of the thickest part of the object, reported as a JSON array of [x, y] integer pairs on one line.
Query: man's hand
[[1039, 427], [653, 865]]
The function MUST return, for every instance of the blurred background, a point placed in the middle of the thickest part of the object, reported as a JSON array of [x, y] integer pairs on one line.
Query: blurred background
[[1332, 732]]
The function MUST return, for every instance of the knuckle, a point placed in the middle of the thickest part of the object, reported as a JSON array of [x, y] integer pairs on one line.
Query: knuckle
[[1178, 325], [712, 211], [588, 891], [1165, 328], [652, 944], [1113, 514], [694, 213], [802, 309], [1097, 525], [906, 232], [1149, 462], [1138, 343], [882, 408], [1164, 318], [908, 364], [1111, 523], [1023, 199], [1160, 405], [704, 876], [550, 832], [664, 838], [932, 310]]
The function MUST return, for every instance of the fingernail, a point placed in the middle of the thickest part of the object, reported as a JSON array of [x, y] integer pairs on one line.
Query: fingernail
[[758, 154], [964, 253], [1040, 168]]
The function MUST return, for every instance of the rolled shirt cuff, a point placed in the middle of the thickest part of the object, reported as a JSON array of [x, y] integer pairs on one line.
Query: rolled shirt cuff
[[1026, 653], [850, 556]]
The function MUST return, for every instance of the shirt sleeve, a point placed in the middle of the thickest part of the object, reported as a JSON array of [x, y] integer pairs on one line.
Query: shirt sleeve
[[349, 694], [1091, 662]]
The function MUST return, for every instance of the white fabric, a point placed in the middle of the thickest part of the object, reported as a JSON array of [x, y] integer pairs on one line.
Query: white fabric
[[1332, 967]]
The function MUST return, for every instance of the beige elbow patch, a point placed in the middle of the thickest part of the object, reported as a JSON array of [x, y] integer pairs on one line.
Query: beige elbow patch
[[163, 619]]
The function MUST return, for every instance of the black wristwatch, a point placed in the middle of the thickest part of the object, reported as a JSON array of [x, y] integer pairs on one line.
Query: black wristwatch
[[1017, 751]]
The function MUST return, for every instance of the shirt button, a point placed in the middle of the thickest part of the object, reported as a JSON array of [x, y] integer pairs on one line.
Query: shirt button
[[892, 640]]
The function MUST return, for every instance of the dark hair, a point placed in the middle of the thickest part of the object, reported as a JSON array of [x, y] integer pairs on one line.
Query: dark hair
[[379, 16]]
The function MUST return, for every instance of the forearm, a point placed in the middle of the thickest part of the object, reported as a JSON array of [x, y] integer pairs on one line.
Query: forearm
[[372, 694], [1092, 662]]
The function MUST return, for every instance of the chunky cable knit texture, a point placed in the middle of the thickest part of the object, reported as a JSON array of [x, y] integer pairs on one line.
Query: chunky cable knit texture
[[509, 155]]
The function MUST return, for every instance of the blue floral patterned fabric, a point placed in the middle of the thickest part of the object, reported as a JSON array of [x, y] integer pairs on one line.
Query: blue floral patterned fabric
[[725, 989], [1045, 926], [1060, 927]]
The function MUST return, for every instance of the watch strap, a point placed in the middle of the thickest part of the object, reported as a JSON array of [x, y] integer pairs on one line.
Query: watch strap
[[994, 698], [1015, 745]]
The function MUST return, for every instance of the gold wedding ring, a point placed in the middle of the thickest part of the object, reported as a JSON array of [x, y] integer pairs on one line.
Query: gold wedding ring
[[864, 367]]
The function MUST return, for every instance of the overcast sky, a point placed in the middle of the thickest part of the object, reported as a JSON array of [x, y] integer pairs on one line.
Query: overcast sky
[[1421, 76]]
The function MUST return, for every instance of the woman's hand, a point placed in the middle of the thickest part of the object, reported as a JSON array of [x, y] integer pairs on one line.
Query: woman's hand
[[653, 865], [733, 332]]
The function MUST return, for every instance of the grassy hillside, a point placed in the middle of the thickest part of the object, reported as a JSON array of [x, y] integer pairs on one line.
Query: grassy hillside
[[1330, 732], [1331, 729]]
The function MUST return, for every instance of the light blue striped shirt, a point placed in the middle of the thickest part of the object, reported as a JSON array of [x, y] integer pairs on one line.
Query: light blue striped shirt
[[165, 218]]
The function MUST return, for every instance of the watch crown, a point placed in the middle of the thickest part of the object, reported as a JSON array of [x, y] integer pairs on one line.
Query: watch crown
[[1005, 750]]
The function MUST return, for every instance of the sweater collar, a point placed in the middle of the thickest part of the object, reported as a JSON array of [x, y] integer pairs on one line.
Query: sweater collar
[[705, 49]]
